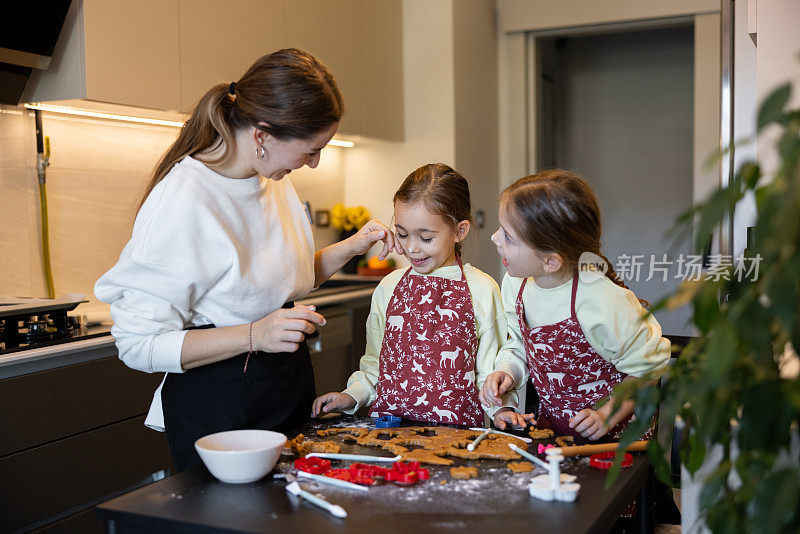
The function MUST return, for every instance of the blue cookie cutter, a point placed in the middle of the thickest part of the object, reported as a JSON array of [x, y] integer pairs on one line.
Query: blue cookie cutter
[[387, 421]]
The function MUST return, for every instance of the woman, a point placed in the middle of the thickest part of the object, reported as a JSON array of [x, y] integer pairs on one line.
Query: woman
[[220, 247]]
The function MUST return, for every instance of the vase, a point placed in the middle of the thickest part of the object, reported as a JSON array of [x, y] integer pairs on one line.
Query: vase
[[351, 267]]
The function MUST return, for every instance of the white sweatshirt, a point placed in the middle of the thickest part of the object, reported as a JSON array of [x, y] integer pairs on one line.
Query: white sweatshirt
[[205, 249]]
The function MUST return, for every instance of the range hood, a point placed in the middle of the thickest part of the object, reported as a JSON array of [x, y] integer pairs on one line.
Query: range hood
[[28, 35]]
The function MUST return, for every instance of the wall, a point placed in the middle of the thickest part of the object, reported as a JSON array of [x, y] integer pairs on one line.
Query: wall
[[450, 114], [777, 62], [374, 170], [476, 128], [623, 120], [98, 171]]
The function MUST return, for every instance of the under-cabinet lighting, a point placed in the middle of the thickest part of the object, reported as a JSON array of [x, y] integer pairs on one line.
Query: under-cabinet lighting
[[337, 142], [100, 115], [129, 118]]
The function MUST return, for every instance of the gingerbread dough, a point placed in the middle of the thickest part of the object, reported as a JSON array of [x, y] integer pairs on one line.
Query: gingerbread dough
[[301, 446], [435, 442], [565, 441], [520, 467], [350, 433], [464, 473], [540, 433]]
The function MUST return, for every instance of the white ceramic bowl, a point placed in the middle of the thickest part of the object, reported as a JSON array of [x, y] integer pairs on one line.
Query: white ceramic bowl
[[240, 456]]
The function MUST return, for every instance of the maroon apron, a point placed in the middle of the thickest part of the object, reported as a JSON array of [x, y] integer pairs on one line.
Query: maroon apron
[[568, 373], [428, 354]]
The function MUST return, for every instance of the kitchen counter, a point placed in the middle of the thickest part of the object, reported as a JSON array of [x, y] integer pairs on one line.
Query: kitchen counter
[[194, 501], [342, 289]]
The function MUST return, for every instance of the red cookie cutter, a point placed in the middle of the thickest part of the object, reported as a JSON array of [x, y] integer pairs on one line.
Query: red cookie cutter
[[604, 460], [365, 474], [350, 476], [313, 465], [407, 473], [369, 470]]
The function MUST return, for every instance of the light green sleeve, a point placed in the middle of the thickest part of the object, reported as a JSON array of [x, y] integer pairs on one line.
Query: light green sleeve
[[492, 334], [511, 357], [611, 318], [361, 384]]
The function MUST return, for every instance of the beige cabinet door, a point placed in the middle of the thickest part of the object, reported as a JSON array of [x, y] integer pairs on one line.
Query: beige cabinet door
[[359, 40], [132, 52], [220, 40]]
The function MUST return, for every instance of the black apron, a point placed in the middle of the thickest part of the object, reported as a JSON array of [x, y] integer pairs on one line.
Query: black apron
[[276, 393]]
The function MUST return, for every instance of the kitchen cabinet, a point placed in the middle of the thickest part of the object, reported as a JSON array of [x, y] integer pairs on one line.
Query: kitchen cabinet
[[331, 349], [359, 40], [337, 346], [115, 51], [164, 54], [73, 436]]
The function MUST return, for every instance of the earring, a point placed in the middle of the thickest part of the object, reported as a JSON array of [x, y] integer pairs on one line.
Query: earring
[[260, 152]]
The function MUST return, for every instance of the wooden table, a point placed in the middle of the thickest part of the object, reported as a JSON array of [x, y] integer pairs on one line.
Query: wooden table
[[498, 501]]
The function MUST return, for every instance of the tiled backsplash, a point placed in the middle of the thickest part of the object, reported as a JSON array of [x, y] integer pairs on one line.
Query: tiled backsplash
[[98, 170]]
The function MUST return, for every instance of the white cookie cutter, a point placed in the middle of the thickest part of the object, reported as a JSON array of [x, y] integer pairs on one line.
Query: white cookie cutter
[[554, 485]]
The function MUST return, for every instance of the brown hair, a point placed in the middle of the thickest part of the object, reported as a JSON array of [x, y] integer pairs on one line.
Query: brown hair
[[444, 191], [556, 211], [289, 89]]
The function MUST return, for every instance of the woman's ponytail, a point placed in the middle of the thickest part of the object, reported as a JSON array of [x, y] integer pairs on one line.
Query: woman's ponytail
[[290, 90], [206, 126]]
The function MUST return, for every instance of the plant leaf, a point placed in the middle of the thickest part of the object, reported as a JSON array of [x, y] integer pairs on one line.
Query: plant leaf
[[777, 501], [771, 109]]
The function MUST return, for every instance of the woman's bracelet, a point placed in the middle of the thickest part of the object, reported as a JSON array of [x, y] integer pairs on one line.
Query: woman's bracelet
[[251, 348]]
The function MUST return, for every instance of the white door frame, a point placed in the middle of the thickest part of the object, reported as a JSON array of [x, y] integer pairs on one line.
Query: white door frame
[[522, 23]]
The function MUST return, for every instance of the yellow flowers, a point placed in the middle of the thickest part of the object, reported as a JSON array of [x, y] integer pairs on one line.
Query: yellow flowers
[[348, 218]]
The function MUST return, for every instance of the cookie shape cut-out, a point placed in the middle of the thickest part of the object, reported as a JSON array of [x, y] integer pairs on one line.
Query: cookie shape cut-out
[[350, 433], [431, 445], [301, 446], [565, 441], [464, 472], [426, 457], [520, 467], [540, 433]]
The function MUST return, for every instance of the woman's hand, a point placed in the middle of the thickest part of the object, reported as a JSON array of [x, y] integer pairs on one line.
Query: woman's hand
[[507, 416], [332, 401], [285, 329], [371, 233], [495, 385], [589, 424]]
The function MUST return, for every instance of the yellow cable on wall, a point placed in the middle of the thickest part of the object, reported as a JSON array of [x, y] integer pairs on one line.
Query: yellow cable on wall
[[42, 161], [48, 272]]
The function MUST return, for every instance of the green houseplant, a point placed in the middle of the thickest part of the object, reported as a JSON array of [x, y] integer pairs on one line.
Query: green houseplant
[[727, 386]]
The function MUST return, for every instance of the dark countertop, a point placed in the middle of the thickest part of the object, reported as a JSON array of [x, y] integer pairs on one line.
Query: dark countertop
[[194, 501], [340, 289]]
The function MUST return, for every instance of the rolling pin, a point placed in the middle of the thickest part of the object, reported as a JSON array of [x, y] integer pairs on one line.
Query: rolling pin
[[585, 450]]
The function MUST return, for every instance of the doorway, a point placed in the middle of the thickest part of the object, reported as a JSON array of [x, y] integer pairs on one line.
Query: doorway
[[617, 109]]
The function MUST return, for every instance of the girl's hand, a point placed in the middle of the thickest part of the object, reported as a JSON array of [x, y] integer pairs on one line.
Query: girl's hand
[[507, 416], [284, 329], [371, 233], [332, 401], [589, 424], [495, 385]]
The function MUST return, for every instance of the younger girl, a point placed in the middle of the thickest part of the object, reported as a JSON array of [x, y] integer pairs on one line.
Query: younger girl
[[580, 338], [434, 326]]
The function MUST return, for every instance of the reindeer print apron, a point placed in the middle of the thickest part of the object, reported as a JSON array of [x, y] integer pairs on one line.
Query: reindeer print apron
[[568, 373], [427, 360]]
